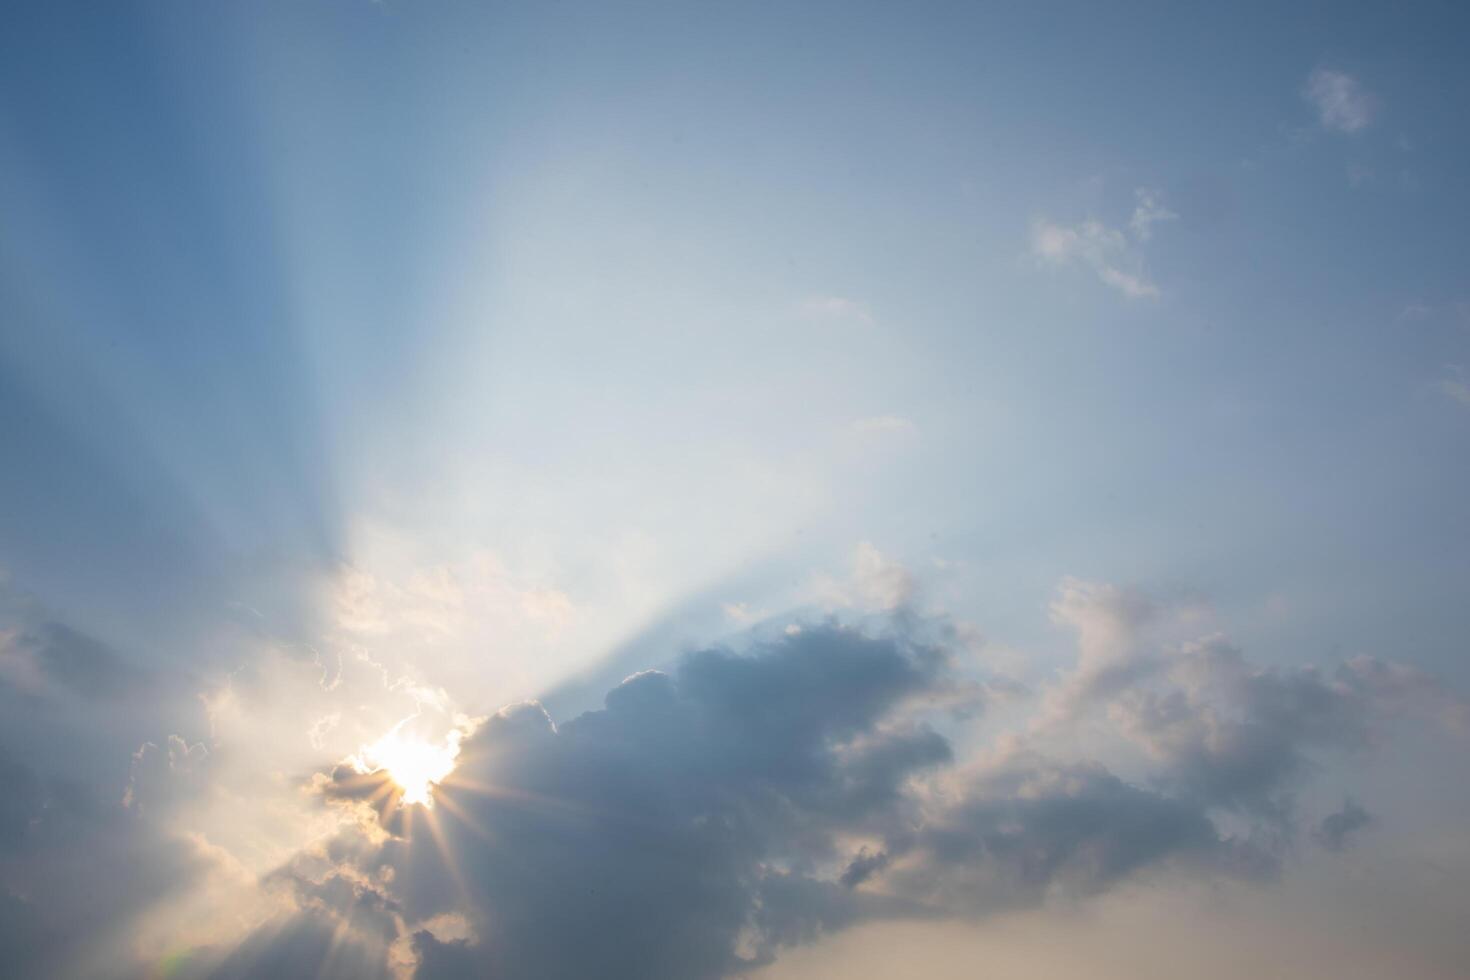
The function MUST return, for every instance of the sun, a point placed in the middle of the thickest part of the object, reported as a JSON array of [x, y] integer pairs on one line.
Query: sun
[[412, 763]]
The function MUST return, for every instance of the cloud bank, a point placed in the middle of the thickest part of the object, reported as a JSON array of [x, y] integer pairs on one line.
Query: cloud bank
[[745, 802]]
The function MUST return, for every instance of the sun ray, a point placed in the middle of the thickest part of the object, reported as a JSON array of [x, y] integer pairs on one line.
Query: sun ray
[[462, 815], [441, 844]]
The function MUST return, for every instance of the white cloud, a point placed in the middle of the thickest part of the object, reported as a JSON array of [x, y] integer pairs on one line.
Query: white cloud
[[838, 308], [877, 583], [882, 582], [1149, 211], [1342, 104], [1414, 312], [742, 613], [1104, 250]]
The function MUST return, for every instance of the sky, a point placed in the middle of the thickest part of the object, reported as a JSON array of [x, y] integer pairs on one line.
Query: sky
[[773, 490]]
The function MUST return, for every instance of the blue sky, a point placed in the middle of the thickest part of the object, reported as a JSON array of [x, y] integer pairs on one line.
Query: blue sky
[[363, 362]]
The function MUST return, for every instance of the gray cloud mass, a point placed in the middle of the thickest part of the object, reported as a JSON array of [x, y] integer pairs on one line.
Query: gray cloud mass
[[709, 816], [742, 803]]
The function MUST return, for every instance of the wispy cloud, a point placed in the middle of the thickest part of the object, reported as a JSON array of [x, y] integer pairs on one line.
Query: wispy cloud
[[1149, 211], [1342, 104], [883, 425], [838, 308], [877, 583], [1457, 385], [1104, 250]]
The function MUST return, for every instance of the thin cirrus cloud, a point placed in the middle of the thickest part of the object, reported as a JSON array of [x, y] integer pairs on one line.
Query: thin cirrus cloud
[[838, 308], [883, 425], [1147, 212], [1456, 385], [1342, 104], [1114, 255]]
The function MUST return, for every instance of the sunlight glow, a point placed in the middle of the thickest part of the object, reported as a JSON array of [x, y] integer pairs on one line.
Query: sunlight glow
[[412, 763]]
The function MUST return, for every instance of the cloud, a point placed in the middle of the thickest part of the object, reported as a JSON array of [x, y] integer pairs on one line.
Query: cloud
[[159, 777], [883, 425], [311, 943], [838, 308], [745, 802], [741, 802], [1147, 212], [876, 583], [76, 662], [1336, 829], [1030, 827], [742, 613], [650, 837], [1109, 621], [1342, 104], [1104, 250], [1455, 387], [1225, 733], [76, 870], [1414, 312]]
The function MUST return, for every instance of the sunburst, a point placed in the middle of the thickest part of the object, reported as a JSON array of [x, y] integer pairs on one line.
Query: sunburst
[[413, 764]]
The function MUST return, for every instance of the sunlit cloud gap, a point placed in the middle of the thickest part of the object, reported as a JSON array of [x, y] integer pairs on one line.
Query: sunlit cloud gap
[[413, 764]]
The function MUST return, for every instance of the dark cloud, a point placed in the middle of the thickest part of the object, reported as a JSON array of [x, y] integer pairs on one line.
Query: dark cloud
[[709, 816], [659, 829], [20, 802], [863, 867], [1336, 829], [704, 819], [1030, 827], [75, 871], [81, 663], [86, 846], [311, 943]]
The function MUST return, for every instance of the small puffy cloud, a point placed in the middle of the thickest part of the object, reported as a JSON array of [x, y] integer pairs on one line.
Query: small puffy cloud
[[876, 583], [880, 582], [1106, 251], [1342, 104]]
